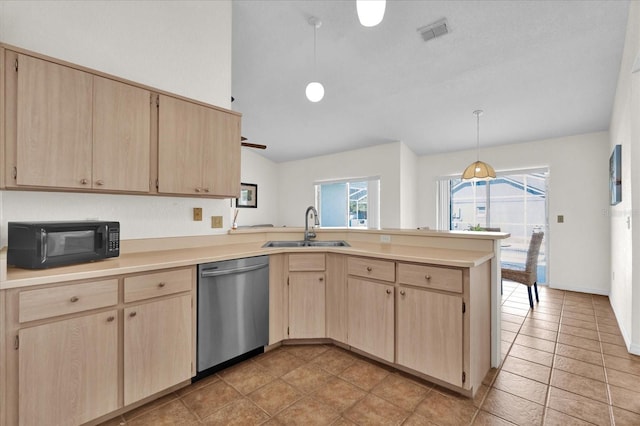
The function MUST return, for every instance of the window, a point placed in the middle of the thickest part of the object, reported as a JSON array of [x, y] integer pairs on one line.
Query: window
[[515, 202], [349, 203]]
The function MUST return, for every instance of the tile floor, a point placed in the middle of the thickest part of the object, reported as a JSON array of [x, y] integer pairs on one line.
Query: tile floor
[[564, 364]]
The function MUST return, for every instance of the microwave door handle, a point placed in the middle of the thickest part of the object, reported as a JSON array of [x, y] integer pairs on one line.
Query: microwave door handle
[[44, 241]]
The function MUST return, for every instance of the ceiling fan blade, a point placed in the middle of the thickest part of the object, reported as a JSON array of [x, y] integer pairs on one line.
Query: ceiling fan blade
[[251, 145]]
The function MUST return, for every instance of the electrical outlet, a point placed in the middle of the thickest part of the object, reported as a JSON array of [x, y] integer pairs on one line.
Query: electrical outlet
[[197, 214], [560, 218], [216, 221], [385, 238]]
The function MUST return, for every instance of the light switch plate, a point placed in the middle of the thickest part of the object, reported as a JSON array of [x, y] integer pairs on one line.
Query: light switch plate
[[385, 238], [197, 214], [216, 221]]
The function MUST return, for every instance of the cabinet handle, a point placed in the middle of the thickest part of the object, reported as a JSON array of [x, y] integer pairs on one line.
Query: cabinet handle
[[111, 318], [133, 314], [74, 299], [206, 190], [321, 278], [402, 292], [83, 181], [388, 291], [427, 277], [100, 182], [198, 189], [161, 285], [369, 269]]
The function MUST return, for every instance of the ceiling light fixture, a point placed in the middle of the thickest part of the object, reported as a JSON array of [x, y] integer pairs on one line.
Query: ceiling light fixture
[[315, 90], [478, 170], [370, 12]]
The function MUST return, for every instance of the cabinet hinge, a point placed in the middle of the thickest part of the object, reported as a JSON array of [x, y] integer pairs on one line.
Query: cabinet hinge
[[464, 377], [464, 307], [157, 184], [287, 331], [16, 342], [15, 173], [287, 280], [157, 101], [16, 64]]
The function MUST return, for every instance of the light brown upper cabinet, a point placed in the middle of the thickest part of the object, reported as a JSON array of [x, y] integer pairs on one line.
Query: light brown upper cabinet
[[198, 149], [75, 130]]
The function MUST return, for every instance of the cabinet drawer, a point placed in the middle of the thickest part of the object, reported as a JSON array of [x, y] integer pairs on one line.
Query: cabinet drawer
[[384, 270], [306, 262], [158, 284], [431, 277], [67, 299]]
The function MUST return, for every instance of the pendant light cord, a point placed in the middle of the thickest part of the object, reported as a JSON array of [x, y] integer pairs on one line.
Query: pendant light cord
[[478, 113], [315, 60]]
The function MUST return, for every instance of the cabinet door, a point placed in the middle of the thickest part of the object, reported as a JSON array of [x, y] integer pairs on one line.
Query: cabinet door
[[53, 125], [371, 317], [306, 305], [430, 334], [121, 136], [68, 370], [221, 154], [182, 130], [157, 346]]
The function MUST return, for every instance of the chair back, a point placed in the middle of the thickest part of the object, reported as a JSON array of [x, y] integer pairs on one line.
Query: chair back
[[533, 252]]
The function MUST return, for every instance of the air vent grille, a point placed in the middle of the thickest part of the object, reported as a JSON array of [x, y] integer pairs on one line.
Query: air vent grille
[[436, 29]]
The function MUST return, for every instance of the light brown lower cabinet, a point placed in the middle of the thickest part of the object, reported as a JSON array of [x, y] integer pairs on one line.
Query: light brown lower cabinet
[[68, 370], [371, 317], [430, 333], [306, 305], [157, 346]]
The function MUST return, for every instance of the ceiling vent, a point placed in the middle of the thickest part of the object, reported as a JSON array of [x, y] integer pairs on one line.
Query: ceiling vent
[[437, 29]]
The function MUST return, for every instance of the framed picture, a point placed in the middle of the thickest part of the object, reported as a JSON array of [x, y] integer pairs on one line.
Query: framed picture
[[248, 196], [615, 176]]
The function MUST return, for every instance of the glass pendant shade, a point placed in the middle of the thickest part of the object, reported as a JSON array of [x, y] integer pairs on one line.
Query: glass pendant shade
[[370, 12], [479, 170], [315, 91]]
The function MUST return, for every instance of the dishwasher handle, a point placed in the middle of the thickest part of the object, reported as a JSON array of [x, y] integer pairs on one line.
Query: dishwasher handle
[[216, 273]]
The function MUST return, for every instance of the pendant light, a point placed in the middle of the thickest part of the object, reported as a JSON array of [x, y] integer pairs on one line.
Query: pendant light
[[315, 90], [370, 12], [478, 170]]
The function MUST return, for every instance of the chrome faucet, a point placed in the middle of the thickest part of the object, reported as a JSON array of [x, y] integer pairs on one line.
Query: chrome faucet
[[310, 234]]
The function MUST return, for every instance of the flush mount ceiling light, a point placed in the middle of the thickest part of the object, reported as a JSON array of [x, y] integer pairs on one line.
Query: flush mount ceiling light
[[479, 170], [370, 12], [315, 90]]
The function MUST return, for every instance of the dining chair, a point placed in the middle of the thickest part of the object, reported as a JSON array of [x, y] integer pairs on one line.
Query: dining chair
[[528, 276]]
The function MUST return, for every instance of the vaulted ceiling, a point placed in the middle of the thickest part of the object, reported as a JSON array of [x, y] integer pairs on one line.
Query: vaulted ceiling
[[538, 69]]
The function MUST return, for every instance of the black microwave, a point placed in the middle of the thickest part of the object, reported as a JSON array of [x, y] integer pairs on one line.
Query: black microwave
[[39, 245]]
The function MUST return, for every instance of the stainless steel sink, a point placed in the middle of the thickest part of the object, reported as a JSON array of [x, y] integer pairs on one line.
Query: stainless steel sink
[[306, 244]]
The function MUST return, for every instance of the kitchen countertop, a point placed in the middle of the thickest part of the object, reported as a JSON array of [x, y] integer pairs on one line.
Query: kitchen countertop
[[153, 260]]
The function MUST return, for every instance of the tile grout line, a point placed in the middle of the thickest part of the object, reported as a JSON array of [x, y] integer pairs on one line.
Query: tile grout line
[[545, 408], [604, 367]]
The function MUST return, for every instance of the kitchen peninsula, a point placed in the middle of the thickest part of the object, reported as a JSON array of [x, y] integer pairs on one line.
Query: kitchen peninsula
[[425, 302]]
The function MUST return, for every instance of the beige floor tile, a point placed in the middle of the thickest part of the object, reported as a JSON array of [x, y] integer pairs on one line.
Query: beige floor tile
[[173, 413], [623, 379], [535, 343], [279, 362], [579, 342], [241, 412], [581, 368], [540, 333], [509, 326], [400, 391], [581, 385], [622, 364], [197, 385], [537, 323], [580, 332], [487, 419], [517, 319], [306, 352], [341, 421], [275, 396], [417, 420], [247, 376], [515, 311], [513, 408], [625, 398], [209, 399], [533, 355], [116, 421], [579, 354], [556, 418], [150, 406], [446, 410], [521, 386], [508, 336], [621, 351], [364, 375], [307, 411], [339, 394], [545, 317], [579, 310], [578, 406], [567, 313], [606, 320], [615, 339], [372, 410], [335, 360], [307, 378], [528, 369], [611, 329], [579, 323], [625, 418]]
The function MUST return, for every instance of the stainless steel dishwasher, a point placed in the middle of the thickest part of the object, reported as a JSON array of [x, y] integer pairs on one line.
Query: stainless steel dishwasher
[[233, 311]]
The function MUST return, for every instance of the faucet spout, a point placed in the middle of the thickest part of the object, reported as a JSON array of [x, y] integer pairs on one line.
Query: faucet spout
[[310, 234]]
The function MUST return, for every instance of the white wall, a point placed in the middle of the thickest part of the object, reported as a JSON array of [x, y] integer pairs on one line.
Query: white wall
[[408, 187], [578, 189], [625, 238], [296, 180], [259, 170], [183, 47]]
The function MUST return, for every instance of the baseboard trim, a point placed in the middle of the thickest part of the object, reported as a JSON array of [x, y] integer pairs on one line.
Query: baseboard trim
[[579, 289]]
